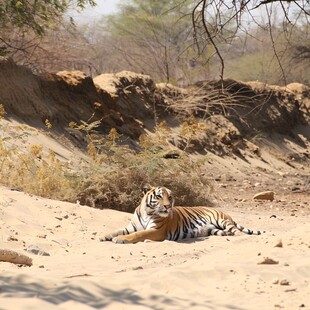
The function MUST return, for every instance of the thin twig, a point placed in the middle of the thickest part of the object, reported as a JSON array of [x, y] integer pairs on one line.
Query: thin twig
[[274, 46], [211, 40]]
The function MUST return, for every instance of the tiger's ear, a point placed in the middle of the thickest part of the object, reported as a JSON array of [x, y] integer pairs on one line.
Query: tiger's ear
[[146, 188]]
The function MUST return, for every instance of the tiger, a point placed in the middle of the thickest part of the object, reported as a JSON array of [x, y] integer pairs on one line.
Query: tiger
[[157, 219]]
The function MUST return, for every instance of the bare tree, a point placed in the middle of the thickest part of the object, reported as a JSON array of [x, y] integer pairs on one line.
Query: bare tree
[[218, 21]]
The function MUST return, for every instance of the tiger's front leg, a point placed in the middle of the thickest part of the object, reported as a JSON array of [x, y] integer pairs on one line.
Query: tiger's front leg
[[124, 231], [112, 235], [139, 236]]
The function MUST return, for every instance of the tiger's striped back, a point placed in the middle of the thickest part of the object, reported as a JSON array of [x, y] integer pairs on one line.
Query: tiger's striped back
[[191, 222]]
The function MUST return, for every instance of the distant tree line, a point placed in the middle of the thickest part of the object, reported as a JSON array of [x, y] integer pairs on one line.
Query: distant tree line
[[173, 41]]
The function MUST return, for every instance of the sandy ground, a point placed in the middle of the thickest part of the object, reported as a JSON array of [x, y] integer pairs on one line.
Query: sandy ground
[[207, 273]]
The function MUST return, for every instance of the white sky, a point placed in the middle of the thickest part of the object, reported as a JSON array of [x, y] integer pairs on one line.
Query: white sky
[[103, 7]]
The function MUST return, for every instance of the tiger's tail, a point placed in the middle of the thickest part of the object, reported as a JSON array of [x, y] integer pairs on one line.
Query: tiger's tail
[[248, 231]]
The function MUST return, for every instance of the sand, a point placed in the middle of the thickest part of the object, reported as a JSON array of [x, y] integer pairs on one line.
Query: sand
[[206, 273]]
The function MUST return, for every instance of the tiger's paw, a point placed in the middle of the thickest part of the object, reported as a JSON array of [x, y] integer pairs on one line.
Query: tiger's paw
[[229, 233], [119, 240], [106, 238]]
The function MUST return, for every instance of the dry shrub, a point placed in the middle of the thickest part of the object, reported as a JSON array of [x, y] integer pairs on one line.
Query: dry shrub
[[34, 172], [113, 174], [118, 184], [121, 189]]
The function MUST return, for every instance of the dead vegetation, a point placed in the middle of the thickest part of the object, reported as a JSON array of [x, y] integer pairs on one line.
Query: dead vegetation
[[113, 174], [162, 136]]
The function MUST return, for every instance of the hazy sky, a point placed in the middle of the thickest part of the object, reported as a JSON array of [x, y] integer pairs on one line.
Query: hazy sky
[[104, 7]]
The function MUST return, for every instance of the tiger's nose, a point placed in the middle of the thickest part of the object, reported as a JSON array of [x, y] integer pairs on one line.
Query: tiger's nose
[[167, 207]]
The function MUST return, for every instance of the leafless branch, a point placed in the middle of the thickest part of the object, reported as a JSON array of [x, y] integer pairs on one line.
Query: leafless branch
[[269, 12], [222, 21]]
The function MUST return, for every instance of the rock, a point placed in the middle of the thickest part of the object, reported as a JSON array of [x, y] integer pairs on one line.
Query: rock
[[268, 261], [36, 250], [268, 195], [43, 236], [11, 238], [279, 244], [284, 282], [14, 257], [295, 189]]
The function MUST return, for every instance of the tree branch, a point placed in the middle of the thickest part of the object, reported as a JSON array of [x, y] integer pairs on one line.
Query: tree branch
[[211, 39]]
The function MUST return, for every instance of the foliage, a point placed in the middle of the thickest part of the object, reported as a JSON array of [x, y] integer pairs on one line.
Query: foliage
[[116, 176], [153, 37], [192, 130], [34, 172], [23, 23], [257, 60], [111, 176], [36, 15], [2, 112]]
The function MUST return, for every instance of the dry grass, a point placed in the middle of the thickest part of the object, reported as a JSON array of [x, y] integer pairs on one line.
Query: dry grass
[[113, 174], [212, 97], [116, 176], [34, 173]]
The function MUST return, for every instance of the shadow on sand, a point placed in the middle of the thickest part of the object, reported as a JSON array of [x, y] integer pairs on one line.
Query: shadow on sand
[[95, 296]]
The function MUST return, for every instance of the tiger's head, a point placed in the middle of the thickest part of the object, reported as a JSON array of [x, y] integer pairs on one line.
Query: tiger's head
[[157, 201]]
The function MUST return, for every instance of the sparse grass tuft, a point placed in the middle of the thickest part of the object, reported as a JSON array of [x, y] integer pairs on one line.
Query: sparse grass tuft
[[2, 112]]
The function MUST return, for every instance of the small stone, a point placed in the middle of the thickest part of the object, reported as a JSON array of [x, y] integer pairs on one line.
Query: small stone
[[295, 189], [279, 244], [43, 236], [34, 249], [275, 281], [41, 266], [284, 282], [268, 261], [11, 238], [268, 195]]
